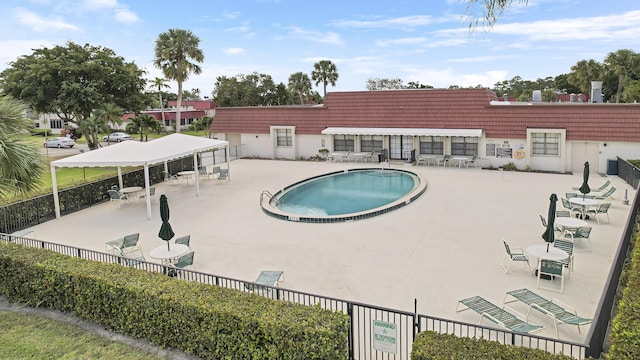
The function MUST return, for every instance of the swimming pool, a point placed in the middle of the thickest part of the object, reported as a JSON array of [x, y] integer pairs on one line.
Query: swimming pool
[[352, 194]]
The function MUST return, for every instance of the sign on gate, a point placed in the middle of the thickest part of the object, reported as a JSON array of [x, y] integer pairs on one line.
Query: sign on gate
[[385, 335]]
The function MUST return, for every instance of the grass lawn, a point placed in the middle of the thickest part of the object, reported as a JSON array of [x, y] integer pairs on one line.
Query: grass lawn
[[33, 337]]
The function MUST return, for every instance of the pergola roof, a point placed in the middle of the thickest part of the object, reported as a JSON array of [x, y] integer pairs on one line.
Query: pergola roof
[[134, 153]]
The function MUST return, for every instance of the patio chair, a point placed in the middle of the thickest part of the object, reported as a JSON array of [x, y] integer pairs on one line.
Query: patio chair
[[152, 194], [583, 232], [515, 254], [184, 240], [563, 213], [130, 243], [169, 177], [606, 195], [115, 198], [569, 206], [116, 246], [570, 195], [267, 278], [215, 170], [471, 161], [601, 188], [445, 159], [560, 313], [132, 258], [552, 269], [183, 261], [601, 209], [202, 171], [224, 174], [498, 315], [545, 224], [567, 246]]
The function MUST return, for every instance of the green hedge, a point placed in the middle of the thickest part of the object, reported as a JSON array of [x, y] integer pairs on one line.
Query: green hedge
[[433, 346], [625, 333], [208, 321]]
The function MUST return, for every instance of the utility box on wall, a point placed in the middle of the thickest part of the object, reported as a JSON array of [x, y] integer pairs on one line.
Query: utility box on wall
[[612, 167]]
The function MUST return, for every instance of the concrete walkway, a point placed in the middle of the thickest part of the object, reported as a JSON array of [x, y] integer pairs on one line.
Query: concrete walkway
[[445, 246]]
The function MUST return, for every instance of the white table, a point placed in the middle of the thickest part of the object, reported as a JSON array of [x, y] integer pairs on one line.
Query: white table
[[339, 156], [428, 159], [460, 160], [163, 254], [584, 203], [540, 251], [129, 191], [360, 156], [187, 174], [569, 223]]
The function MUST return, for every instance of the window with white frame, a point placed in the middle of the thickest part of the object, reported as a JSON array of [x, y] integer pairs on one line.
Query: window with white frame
[[56, 124], [432, 145], [464, 145], [343, 143], [371, 143], [284, 137], [545, 144]]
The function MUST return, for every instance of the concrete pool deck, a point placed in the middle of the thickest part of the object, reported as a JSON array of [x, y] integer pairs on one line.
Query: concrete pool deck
[[443, 247]]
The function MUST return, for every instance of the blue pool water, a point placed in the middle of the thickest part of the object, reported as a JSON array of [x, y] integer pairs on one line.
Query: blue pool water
[[347, 192]]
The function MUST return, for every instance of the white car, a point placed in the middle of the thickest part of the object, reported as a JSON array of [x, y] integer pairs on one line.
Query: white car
[[60, 142], [117, 137]]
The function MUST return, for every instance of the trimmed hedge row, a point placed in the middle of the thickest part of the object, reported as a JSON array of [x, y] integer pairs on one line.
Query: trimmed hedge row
[[433, 346], [625, 326], [208, 321]]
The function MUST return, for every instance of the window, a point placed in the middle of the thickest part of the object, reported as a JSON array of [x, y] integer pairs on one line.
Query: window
[[371, 143], [545, 144], [431, 145], [55, 124], [284, 137], [343, 143], [464, 145]]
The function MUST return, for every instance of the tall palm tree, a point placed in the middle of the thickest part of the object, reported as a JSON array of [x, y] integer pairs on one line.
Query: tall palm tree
[[100, 122], [324, 72], [299, 83], [144, 124], [177, 54], [160, 83], [20, 162], [621, 63]]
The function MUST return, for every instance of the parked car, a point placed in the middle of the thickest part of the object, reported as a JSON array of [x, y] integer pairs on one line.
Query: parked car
[[60, 142], [117, 137]]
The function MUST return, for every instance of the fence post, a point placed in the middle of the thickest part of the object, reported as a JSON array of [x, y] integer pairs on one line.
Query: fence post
[[416, 322], [351, 329]]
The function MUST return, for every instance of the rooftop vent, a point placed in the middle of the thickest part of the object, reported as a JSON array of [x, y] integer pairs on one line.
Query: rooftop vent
[[596, 91], [537, 95]]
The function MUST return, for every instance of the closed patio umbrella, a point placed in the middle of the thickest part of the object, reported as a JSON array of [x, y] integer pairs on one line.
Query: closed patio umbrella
[[584, 189], [166, 233], [549, 235]]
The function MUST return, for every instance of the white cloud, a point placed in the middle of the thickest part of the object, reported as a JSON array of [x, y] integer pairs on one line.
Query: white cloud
[[100, 4], [443, 78], [41, 24], [125, 16], [10, 50], [397, 22], [233, 51], [402, 41], [315, 36]]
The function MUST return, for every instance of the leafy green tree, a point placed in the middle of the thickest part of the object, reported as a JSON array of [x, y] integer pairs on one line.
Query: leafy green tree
[[583, 73], [177, 54], [20, 162], [248, 90], [204, 124], [160, 83], [624, 64], [143, 124], [562, 84], [324, 72], [193, 94], [300, 84], [75, 80], [631, 93], [100, 122], [374, 84]]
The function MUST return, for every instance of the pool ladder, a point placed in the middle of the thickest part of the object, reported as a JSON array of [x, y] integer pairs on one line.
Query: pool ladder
[[269, 195]]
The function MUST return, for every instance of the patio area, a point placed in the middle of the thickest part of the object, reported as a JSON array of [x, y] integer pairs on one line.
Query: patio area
[[445, 246]]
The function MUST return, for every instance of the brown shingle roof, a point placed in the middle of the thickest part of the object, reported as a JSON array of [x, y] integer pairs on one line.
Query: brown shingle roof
[[438, 108]]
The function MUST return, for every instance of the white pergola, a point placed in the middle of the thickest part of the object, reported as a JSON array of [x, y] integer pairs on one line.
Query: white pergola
[[134, 153]]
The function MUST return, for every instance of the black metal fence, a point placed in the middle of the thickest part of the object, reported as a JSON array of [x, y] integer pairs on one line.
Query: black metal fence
[[363, 318], [628, 173]]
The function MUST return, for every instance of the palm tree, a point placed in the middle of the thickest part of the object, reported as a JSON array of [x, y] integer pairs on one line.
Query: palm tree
[[160, 83], [324, 72], [621, 63], [99, 122], [300, 84], [584, 72], [173, 54], [20, 162]]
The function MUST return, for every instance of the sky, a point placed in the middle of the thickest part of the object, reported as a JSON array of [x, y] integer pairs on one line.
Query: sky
[[421, 41]]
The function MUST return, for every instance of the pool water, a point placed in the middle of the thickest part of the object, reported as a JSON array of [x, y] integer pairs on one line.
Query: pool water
[[347, 192]]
